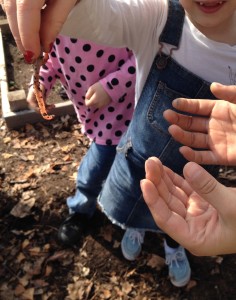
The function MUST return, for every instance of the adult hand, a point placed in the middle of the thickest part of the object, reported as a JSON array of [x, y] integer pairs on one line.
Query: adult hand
[[214, 127], [198, 212], [36, 23]]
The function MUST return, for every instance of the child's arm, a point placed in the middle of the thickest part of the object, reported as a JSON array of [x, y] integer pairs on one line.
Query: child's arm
[[121, 82], [96, 96], [106, 90]]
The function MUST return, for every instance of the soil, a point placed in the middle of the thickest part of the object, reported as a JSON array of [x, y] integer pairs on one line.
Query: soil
[[37, 173]]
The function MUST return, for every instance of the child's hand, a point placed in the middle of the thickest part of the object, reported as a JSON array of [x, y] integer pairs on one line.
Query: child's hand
[[96, 96], [32, 102]]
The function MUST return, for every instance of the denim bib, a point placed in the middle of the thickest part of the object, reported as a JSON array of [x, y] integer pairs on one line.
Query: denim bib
[[121, 198]]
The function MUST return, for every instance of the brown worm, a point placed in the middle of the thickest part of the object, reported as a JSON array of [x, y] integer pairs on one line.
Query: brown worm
[[37, 90]]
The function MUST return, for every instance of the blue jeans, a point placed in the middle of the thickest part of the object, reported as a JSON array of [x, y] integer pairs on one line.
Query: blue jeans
[[92, 173]]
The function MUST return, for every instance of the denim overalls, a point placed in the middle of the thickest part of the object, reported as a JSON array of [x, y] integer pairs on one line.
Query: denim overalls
[[121, 198]]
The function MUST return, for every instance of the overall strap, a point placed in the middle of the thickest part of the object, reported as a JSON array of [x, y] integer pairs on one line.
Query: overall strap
[[172, 31]]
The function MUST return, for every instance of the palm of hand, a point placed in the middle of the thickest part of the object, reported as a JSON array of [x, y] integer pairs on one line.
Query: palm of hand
[[201, 224], [222, 133]]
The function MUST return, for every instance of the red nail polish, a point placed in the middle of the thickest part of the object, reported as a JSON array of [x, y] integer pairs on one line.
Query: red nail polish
[[50, 47], [28, 56]]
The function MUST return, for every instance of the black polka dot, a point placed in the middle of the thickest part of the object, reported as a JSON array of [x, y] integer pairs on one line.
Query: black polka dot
[[100, 134], [114, 81], [88, 121], [102, 117], [80, 103], [67, 50], [89, 131], [101, 73], [62, 60], [53, 54], [118, 133], [95, 124], [100, 53], [97, 109], [78, 85], [128, 84], [109, 85], [73, 92], [111, 109], [57, 76], [121, 62], [131, 70], [67, 77], [73, 40], [111, 58], [122, 99], [127, 123], [58, 41], [90, 68], [44, 67], [50, 78], [83, 78], [119, 117], [78, 60], [41, 78], [109, 126], [87, 47], [72, 69], [129, 105]]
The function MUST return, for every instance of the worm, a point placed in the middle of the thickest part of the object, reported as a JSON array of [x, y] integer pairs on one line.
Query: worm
[[41, 60]]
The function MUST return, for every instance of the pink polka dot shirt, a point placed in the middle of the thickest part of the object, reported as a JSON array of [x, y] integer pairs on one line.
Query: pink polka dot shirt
[[78, 64]]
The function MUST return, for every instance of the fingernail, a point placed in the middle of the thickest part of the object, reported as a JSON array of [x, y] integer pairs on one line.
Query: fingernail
[[50, 47], [28, 56]]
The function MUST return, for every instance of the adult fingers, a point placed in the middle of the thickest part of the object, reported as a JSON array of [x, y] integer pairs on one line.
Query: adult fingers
[[35, 25], [190, 123], [201, 107], [9, 6], [202, 157], [188, 138], [224, 92], [205, 185], [164, 181], [167, 220], [53, 18]]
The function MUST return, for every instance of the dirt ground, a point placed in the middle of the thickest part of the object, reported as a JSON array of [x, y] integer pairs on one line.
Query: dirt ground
[[38, 166]]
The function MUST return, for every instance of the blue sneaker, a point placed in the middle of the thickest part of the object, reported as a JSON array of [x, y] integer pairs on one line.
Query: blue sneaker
[[131, 244], [179, 268]]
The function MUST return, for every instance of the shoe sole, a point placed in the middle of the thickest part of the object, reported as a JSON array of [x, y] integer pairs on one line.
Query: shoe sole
[[127, 256], [183, 283]]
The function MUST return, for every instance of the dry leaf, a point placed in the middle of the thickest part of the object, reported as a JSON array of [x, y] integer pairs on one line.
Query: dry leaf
[[19, 290], [127, 287], [28, 294], [156, 262], [23, 208], [7, 155], [191, 284], [107, 232]]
